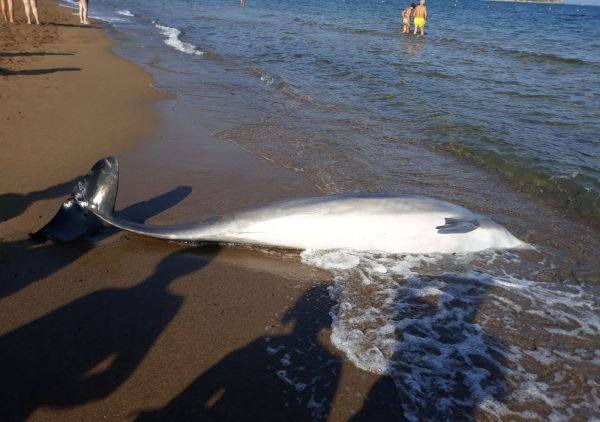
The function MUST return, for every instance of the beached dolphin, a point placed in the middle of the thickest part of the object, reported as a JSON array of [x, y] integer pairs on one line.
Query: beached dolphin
[[365, 222]]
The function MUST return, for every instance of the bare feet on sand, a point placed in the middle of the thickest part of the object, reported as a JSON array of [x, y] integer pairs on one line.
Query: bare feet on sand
[[83, 12], [7, 10], [31, 6]]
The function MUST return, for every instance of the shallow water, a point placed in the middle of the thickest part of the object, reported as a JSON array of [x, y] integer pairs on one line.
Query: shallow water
[[332, 90], [512, 87]]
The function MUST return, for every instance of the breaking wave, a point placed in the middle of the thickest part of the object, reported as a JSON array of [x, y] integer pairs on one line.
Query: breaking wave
[[125, 13], [173, 40]]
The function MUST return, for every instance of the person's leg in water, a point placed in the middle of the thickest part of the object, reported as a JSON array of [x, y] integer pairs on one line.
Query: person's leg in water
[[419, 25]]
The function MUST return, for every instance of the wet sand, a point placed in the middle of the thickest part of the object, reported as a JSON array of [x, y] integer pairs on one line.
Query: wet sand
[[119, 326]]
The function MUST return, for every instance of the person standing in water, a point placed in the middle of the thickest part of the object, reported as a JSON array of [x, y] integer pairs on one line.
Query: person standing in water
[[420, 15], [7, 10], [83, 12], [31, 6], [406, 14]]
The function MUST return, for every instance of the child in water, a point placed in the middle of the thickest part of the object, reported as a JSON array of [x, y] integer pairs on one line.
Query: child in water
[[406, 18]]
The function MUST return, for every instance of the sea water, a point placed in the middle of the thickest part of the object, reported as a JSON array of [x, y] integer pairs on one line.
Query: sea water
[[512, 87]]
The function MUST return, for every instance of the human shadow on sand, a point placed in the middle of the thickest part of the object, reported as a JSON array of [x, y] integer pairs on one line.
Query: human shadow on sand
[[444, 365], [34, 72], [73, 25], [14, 204], [32, 53], [24, 262], [289, 377], [86, 349]]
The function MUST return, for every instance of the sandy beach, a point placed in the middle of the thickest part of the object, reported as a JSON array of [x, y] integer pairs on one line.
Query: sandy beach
[[66, 100], [121, 326]]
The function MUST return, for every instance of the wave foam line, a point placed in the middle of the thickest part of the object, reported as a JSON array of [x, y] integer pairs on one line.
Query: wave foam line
[[174, 41], [72, 4]]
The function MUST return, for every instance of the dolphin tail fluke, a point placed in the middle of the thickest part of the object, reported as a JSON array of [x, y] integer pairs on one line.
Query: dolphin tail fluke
[[95, 192]]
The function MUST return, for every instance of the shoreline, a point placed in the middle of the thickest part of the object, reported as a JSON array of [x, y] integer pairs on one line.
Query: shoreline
[[123, 324]]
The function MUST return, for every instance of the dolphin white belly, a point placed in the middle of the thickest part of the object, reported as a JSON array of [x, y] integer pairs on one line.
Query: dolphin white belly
[[386, 223], [381, 222]]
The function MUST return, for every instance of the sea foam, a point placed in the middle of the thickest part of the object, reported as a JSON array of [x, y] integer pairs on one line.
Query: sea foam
[[459, 332], [72, 4], [172, 40], [125, 13]]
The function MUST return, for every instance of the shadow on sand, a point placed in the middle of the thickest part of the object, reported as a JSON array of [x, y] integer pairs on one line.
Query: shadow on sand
[[73, 25], [24, 262], [289, 377], [32, 54], [14, 204], [86, 349], [34, 72]]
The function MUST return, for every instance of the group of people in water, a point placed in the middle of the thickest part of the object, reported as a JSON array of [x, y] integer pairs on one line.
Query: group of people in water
[[31, 8], [419, 16]]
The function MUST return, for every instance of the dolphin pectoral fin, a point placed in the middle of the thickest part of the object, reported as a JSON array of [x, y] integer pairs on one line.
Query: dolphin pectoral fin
[[457, 225]]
